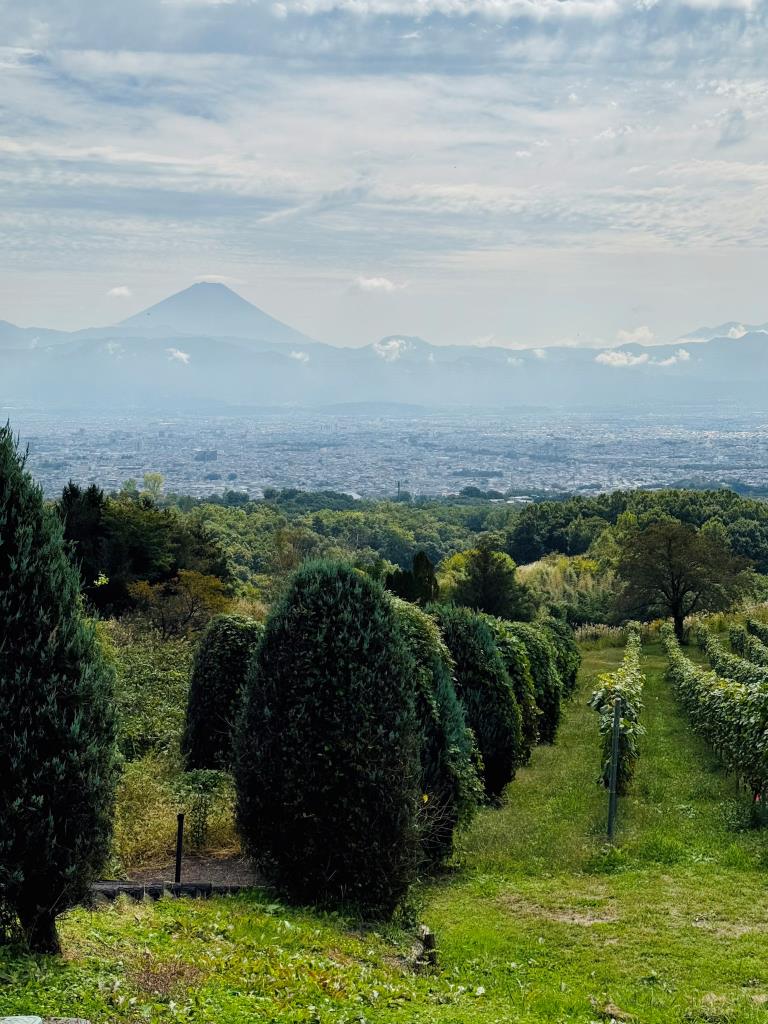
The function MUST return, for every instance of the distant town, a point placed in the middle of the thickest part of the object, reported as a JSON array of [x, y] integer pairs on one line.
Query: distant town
[[512, 455]]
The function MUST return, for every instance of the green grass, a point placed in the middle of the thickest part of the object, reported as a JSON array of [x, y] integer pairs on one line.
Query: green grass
[[542, 922]]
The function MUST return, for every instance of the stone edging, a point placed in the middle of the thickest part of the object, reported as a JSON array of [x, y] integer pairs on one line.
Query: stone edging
[[109, 891]]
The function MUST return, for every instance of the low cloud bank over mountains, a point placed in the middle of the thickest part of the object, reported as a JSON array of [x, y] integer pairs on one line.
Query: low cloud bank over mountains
[[208, 346]]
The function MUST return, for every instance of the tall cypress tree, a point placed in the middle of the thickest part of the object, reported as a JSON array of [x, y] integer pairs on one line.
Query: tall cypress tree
[[58, 762], [326, 756], [485, 692], [216, 690]]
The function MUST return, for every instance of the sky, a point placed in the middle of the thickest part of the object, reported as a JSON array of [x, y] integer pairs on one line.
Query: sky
[[519, 172]]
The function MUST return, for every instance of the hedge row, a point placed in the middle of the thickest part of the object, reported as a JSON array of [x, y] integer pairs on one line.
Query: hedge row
[[450, 764], [626, 684], [732, 716], [485, 692], [758, 629], [728, 665], [748, 646], [368, 730], [548, 686]]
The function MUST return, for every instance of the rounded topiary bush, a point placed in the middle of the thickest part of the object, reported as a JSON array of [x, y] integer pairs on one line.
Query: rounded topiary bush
[[216, 690], [567, 652], [449, 783], [518, 666], [546, 678], [485, 691], [327, 755], [58, 759]]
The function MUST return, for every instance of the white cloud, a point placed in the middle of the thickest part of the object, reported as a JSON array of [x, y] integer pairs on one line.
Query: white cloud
[[737, 332], [623, 360], [390, 349], [620, 359], [300, 357], [642, 335], [122, 291], [681, 356], [179, 356], [376, 284], [539, 353]]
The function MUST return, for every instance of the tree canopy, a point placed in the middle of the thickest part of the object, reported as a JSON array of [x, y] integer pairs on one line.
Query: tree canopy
[[672, 569]]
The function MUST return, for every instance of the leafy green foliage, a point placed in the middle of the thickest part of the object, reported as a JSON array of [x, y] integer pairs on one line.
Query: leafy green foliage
[[216, 690], [625, 684], [567, 651], [449, 783], [548, 686], [485, 580], [576, 588], [748, 646], [120, 540], [327, 758], [728, 665], [671, 569], [485, 691], [758, 629], [571, 527], [732, 716], [152, 681], [518, 666], [57, 757]]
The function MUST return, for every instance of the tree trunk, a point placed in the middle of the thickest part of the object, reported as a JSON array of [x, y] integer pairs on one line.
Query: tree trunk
[[679, 621], [39, 927]]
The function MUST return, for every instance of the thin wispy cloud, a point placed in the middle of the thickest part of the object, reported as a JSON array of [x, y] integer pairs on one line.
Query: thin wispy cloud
[[523, 164]]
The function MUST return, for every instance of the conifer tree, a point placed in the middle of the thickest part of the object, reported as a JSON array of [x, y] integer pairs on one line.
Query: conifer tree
[[449, 783], [485, 691], [57, 726], [216, 690], [327, 758]]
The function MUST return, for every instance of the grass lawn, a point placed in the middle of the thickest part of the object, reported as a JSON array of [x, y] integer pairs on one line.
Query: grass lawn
[[541, 923]]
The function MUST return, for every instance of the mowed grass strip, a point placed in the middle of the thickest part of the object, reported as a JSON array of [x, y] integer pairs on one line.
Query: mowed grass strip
[[671, 924], [541, 922]]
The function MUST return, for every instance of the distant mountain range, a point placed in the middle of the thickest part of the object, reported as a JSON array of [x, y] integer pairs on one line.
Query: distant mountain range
[[208, 346]]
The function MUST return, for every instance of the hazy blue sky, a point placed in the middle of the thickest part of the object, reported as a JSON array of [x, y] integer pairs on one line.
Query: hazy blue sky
[[522, 170]]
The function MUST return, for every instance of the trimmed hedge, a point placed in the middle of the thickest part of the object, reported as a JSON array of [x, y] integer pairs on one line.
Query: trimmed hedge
[[216, 690], [546, 678], [627, 683], [567, 650], [450, 785], [327, 754], [485, 691], [518, 666]]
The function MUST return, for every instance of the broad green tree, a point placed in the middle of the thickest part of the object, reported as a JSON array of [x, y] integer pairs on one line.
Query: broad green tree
[[671, 569]]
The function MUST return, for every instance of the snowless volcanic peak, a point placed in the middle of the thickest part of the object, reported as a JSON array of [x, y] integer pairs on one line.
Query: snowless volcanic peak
[[209, 308]]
